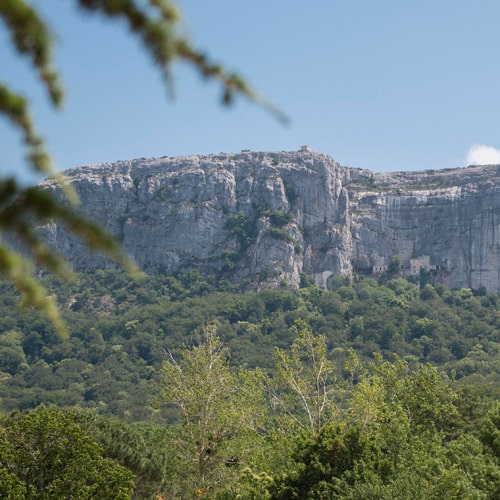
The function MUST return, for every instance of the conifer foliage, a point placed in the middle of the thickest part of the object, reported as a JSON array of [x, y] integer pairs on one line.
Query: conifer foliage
[[44, 454]]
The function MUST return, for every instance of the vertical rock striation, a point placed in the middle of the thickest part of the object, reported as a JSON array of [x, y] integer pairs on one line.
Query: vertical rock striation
[[270, 217]]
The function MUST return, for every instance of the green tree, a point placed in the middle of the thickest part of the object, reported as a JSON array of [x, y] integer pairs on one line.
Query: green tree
[[324, 462], [468, 472], [216, 406], [44, 454], [490, 430], [394, 266], [129, 446], [391, 445], [11, 352], [399, 403], [305, 380]]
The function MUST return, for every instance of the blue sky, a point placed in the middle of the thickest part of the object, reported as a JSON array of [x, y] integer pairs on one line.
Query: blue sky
[[384, 85]]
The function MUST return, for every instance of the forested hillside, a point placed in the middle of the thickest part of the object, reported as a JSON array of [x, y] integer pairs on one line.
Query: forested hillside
[[369, 390]]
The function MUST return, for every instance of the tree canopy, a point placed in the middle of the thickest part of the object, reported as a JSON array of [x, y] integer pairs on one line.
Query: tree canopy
[[375, 390], [44, 454]]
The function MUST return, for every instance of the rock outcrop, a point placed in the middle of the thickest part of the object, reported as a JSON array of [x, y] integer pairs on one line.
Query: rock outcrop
[[272, 217]]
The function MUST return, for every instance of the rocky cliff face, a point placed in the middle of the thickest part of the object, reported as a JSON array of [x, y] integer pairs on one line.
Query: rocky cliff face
[[271, 216]]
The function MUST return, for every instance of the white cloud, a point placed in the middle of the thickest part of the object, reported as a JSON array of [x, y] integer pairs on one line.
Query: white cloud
[[479, 154]]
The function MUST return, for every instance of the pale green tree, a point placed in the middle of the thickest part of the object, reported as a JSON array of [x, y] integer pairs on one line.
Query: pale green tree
[[217, 408], [304, 386], [398, 406]]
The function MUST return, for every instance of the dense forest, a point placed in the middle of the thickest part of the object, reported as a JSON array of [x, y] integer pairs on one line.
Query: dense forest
[[185, 387]]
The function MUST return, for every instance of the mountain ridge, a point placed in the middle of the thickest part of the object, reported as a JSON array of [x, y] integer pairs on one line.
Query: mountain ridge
[[273, 217]]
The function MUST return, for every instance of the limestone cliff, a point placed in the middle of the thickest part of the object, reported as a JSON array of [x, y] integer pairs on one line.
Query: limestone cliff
[[272, 216]]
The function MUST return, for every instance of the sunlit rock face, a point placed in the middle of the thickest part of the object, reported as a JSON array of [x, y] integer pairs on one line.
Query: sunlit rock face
[[271, 217]]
